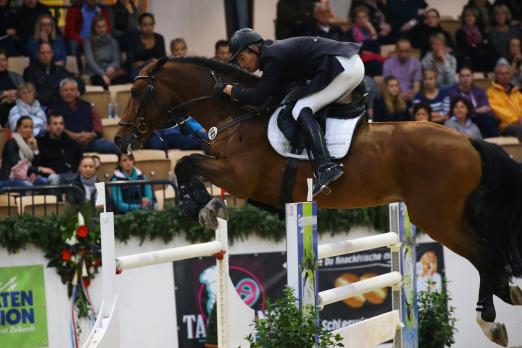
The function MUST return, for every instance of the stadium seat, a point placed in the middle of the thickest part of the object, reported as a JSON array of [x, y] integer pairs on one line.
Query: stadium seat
[[165, 197], [109, 128], [8, 206], [107, 166], [502, 140], [153, 163], [387, 50], [5, 133], [174, 155], [40, 205], [483, 83], [122, 98], [451, 26], [101, 101], [18, 64], [514, 151]]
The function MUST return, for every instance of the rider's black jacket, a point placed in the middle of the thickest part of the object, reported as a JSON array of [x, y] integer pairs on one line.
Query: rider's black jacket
[[295, 59]]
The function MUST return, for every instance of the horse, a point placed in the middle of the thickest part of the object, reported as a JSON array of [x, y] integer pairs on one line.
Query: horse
[[466, 194]]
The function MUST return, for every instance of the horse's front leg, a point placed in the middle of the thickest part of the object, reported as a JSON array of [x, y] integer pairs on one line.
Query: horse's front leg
[[194, 199]]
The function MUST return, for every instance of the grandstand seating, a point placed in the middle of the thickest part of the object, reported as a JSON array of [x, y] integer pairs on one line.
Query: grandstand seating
[[100, 100], [8, 206], [39, 205], [514, 151], [109, 128], [153, 163]]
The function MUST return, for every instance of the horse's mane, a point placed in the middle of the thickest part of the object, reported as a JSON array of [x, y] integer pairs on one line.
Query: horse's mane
[[213, 64]]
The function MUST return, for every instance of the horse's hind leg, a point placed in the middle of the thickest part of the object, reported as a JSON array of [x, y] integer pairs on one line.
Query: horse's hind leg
[[508, 293], [486, 313]]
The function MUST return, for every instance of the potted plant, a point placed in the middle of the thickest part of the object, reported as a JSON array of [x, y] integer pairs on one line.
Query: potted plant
[[286, 326], [211, 339], [436, 318]]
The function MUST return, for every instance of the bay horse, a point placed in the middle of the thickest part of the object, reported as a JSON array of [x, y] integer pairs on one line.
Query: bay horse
[[465, 194]]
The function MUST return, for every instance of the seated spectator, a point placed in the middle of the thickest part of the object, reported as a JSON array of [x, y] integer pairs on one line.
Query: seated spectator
[[485, 10], [405, 68], [78, 23], [9, 82], [502, 30], [482, 115], [45, 31], [103, 56], [391, 107], [130, 197], [18, 154], [461, 109], [124, 19], [24, 21], [440, 60], [27, 105], [82, 122], [403, 15], [430, 27], [322, 26], [222, 51], [59, 152], [472, 47], [363, 32], [146, 45], [506, 101], [7, 42], [46, 76], [85, 180], [422, 112], [377, 9], [513, 57], [436, 98], [178, 47], [515, 7]]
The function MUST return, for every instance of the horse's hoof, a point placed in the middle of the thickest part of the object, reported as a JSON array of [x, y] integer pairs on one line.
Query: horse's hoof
[[219, 207], [496, 332], [208, 219], [516, 295]]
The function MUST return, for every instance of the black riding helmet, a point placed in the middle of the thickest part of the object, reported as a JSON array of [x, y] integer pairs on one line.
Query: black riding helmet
[[241, 40]]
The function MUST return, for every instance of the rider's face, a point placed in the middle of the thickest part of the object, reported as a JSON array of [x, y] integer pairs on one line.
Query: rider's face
[[248, 60]]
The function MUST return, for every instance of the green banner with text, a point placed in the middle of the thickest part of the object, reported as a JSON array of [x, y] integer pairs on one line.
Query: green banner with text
[[23, 318]]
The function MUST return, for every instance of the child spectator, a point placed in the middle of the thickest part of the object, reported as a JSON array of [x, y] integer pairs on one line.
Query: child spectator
[[130, 197], [27, 105], [440, 60], [430, 94], [391, 107], [103, 56], [178, 47], [502, 30], [513, 57], [422, 112], [145, 45], [9, 82], [222, 51], [461, 109], [45, 31]]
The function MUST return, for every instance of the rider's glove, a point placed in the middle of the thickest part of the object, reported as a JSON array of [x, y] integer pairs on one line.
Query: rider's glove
[[219, 90]]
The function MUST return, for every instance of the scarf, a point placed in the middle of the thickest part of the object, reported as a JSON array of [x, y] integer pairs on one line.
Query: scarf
[[88, 185], [473, 35], [24, 150]]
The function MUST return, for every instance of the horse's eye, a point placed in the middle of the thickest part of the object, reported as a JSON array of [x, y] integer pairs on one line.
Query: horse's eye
[[135, 93]]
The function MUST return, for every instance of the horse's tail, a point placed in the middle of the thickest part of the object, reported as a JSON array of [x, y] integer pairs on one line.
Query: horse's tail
[[494, 209]]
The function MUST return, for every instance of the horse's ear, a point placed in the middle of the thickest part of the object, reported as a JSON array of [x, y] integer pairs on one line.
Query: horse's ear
[[159, 63]]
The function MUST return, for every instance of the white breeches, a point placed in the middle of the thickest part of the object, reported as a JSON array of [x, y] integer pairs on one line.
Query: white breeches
[[342, 85]]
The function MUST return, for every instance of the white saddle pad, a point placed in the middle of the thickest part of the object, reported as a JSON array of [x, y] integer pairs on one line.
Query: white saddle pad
[[339, 133]]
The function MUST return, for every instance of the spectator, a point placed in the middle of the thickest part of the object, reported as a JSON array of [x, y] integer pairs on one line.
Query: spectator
[[146, 45], [405, 68], [222, 51], [59, 152], [363, 32], [461, 110], [103, 56], [440, 60], [45, 31], [513, 57], [376, 9], [428, 29], [130, 197], [293, 18], [85, 180], [403, 15], [482, 115], [515, 7], [391, 107], [9, 82], [484, 9], [436, 98], [78, 23], [27, 105], [7, 41], [472, 47], [82, 122], [45, 75], [322, 26], [18, 154], [178, 47], [124, 19], [506, 101], [502, 31], [422, 112], [24, 21]]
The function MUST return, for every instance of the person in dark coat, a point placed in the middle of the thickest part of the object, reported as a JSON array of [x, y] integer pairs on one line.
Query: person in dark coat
[[334, 69], [322, 26], [9, 82], [420, 34], [24, 21]]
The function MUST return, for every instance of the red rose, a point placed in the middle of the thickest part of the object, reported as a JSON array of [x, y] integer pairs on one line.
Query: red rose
[[66, 254], [86, 282], [96, 262], [82, 231]]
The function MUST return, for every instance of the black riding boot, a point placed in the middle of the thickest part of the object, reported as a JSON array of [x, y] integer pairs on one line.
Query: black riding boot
[[325, 171]]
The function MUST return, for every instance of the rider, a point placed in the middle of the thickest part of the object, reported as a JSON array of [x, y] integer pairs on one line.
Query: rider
[[333, 68]]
